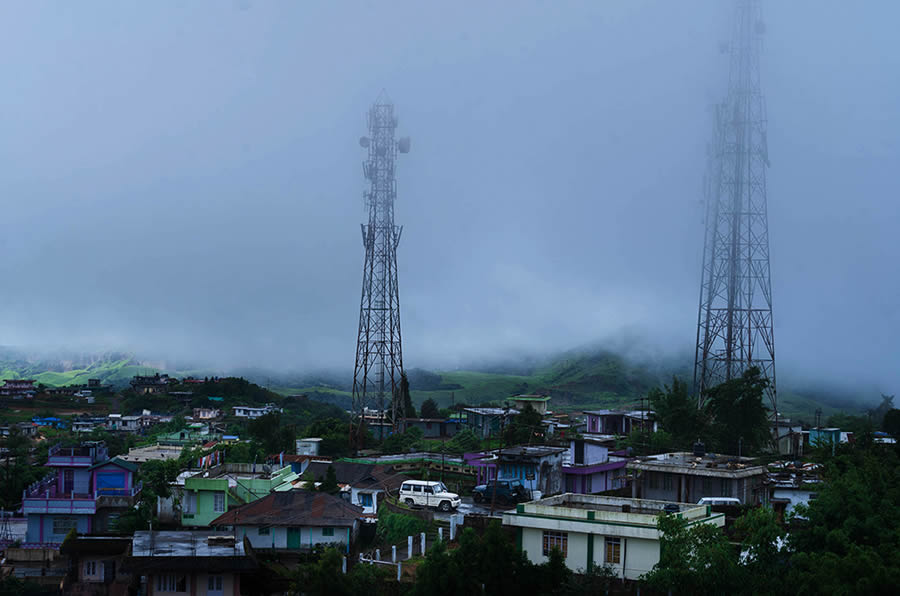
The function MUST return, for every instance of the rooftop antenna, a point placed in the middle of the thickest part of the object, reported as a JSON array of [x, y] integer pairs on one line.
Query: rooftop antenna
[[379, 352], [734, 322]]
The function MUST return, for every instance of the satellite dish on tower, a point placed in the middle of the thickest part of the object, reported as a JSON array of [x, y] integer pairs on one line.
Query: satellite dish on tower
[[364, 142], [403, 145]]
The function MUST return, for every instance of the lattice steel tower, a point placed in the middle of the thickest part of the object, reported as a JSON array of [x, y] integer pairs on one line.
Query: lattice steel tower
[[734, 328], [379, 352]]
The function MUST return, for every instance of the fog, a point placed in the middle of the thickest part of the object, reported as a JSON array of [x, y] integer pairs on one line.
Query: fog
[[183, 178]]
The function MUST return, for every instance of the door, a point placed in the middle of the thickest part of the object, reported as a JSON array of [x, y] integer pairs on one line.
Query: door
[[68, 481], [293, 538], [214, 585], [429, 496]]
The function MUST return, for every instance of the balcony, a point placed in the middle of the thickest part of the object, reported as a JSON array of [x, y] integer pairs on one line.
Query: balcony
[[81, 457], [119, 497]]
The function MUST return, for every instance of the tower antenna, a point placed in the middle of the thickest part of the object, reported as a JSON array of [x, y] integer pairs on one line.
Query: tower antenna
[[379, 352], [734, 323]]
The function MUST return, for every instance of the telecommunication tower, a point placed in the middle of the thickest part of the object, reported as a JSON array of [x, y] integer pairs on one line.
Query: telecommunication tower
[[379, 352], [735, 327]]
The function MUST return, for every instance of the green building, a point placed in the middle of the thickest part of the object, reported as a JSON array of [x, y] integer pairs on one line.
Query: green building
[[207, 495]]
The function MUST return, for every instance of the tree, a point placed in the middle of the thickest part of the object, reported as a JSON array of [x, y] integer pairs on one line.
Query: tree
[[677, 413], [523, 427], [740, 418], [891, 423], [687, 556], [405, 396], [430, 409], [329, 483], [848, 541]]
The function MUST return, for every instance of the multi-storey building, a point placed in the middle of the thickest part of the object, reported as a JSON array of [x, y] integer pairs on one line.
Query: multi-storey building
[[86, 491]]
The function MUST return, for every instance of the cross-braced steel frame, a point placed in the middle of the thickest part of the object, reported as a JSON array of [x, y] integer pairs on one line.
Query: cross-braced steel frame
[[735, 327], [379, 353]]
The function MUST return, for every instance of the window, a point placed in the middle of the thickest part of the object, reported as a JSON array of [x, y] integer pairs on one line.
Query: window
[[219, 501], [428, 490], [417, 488], [214, 583], [327, 531], [613, 550], [112, 522], [63, 525], [558, 540], [90, 568], [263, 531], [654, 479], [365, 499], [707, 486], [667, 481], [190, 503], [171, 583]]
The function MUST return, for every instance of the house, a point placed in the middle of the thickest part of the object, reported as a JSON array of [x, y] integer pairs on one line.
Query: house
[[41, 565], [539, 467], [619, 422], [96, 566], [308, 446], [26, 429], [156, 452], [688, 477], [294, 520], [185, 562], [592, 530], [538, 402], [361, 484], [157, 383], [253, 412], [486, 422], [86, 491], [432, 428], [793, 485], [588, 468], [788, 437], [208, 494], [18, 388], [822, 437], [207, 413]]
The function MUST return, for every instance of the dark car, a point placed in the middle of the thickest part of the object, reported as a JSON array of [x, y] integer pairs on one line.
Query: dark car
[[508, 491]]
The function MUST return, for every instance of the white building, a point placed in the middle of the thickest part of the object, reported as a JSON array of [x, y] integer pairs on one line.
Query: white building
[[592, 530], [254, 412], [294, 520], [308, 446]]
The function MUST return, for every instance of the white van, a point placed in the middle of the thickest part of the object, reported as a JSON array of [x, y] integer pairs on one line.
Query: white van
[[720, 501], [427, 493]]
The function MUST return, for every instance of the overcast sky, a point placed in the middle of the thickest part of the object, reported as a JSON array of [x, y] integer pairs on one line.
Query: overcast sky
[[183, 178]]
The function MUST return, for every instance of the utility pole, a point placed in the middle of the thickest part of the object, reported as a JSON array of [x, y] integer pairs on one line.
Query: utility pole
[[735, 328], [379, 352], [499, 457]]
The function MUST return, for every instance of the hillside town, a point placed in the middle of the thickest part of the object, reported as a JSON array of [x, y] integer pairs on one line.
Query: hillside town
[[215, 494]]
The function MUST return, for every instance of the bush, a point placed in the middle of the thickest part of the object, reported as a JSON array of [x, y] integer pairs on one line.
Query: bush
[[393, 528]]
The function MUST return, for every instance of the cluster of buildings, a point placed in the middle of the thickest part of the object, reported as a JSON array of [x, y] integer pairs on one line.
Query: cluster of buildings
[[598, 505]]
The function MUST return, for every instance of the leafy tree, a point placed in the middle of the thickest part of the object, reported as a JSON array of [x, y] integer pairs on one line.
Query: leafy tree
[[524, 427], [272, 433], [430, 409], [405, 396], [677, 413], [766, 560], [687, 557], [463, 441], [739, 416], [16, 471], [329, 483], [848, 541], [645, 444], [403, 442], [891, 423]]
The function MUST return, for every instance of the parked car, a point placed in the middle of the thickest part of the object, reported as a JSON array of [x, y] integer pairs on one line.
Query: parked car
[[508, 491], [720, 501], [427, 493]]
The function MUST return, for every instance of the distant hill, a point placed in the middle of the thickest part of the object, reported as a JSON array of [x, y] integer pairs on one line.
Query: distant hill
[[577, 380]]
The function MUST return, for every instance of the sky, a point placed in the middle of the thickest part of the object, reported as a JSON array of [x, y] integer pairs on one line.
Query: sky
[[183, 178]]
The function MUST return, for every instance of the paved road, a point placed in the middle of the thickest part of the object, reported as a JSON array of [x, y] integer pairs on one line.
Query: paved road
[[469, 506]]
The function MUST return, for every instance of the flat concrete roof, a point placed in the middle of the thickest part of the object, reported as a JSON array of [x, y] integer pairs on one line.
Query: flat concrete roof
[[708, 465], [199, 543]]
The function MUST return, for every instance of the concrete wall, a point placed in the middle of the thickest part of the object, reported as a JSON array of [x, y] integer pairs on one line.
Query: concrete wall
[[278, 537], [40, 527], [637, 555], [690, 489], [197, 584]]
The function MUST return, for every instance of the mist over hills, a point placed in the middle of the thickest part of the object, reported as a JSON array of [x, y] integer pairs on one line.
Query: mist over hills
[[590, 376]]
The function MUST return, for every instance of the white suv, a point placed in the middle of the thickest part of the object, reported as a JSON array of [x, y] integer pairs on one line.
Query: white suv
[[428, 494]]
